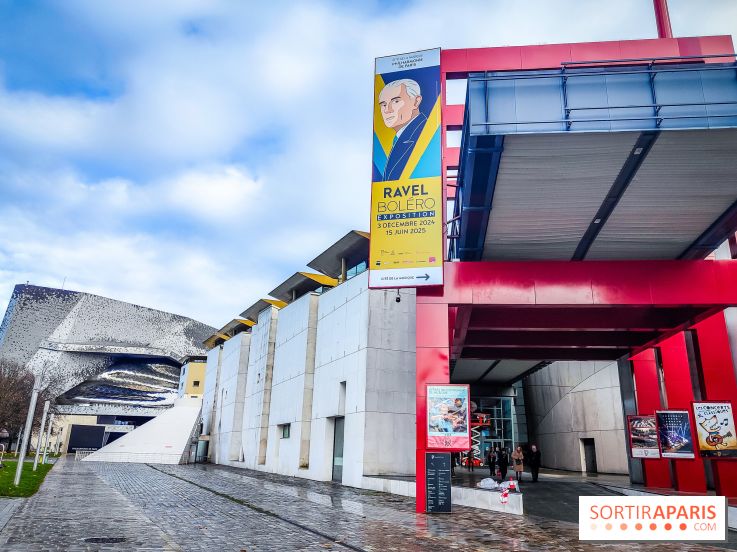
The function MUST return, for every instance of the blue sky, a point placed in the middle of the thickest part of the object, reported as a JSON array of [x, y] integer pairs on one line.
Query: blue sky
[[189, 155]]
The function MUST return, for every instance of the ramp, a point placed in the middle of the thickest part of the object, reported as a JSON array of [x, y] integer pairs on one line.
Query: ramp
[[163, 440]]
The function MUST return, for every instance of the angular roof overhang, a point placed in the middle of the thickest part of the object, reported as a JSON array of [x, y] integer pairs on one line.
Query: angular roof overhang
[[353, 248], [252, 312], [232, 328], [300, 283]]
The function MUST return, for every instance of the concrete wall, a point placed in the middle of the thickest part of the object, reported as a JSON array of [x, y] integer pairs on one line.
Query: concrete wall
[[256, 411], [570, 401], [229, 400], [348, 352], [291, 391], [212, 381], [390, 384]]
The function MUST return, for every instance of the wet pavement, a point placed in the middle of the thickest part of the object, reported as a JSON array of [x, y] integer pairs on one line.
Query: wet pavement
[[206, 507]]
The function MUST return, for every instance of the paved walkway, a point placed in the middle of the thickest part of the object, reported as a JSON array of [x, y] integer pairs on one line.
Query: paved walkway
[[207, 507], [7, 509]]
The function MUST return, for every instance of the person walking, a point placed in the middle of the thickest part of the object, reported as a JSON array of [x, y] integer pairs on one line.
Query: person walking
[[470, 457], [534, 462], [503, 462], [491, 461], [518, 458]]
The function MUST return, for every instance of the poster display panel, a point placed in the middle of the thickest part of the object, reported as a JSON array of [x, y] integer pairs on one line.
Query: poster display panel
[[674, 434], [406, 248], [643, 437], [715, 429], [448, 417]]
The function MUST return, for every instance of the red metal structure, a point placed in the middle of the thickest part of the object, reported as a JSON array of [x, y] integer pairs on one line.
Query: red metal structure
[[663, 315]]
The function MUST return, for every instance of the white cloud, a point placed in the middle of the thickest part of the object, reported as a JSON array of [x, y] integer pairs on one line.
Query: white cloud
[[240, 141], [223, 193], [171, 274]]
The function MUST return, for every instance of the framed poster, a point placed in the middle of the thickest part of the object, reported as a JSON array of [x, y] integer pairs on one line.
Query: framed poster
[[448, 417], [674, 434], [643, 437], [715, 429]]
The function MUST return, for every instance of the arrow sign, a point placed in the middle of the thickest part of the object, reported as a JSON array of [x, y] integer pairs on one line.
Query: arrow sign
[[426, 277]]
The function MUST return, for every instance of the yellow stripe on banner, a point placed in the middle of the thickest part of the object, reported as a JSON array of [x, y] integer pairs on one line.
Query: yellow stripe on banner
[[432, 125], [383, 132]]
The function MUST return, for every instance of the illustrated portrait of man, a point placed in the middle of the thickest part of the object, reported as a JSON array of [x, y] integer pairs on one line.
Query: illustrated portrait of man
[[399, 102]]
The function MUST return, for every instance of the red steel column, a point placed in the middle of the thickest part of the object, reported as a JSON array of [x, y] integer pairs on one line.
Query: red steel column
[[432, 339], [718, 384], [689, 474], [662, 19], [647, 390]]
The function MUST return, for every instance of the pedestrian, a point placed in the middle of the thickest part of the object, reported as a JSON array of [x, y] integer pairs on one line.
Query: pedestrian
[[534, 462], [453, 458], [503, 462], [491, 461], [518, 458], [470, 457]]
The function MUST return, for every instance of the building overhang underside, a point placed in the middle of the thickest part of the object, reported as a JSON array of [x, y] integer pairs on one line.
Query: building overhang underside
[[628, 165], [506, 318]]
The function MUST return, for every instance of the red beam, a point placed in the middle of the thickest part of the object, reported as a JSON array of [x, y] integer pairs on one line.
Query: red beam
[[581, 319], [516, 338], [459, 63], [586, 284], [688, 473], [542, 353], [647, 389], [463, 315], [662, 19], [718, 384]]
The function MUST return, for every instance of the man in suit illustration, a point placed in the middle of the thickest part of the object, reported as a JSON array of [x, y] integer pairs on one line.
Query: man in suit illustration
[[399, 102]]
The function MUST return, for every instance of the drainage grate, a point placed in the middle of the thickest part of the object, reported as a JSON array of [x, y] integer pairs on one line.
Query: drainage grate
[[105, 540]]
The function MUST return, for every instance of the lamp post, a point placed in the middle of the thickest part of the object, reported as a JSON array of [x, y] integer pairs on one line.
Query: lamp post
[[41, 434], [37, 381], [48, 436]]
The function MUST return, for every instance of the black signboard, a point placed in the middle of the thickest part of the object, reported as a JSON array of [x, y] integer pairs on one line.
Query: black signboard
[[437, 482]]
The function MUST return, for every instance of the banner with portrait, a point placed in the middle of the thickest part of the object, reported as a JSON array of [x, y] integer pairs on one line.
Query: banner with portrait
[[643, 437], [407, 206], [715, 429], [448, 417], [674, 434]]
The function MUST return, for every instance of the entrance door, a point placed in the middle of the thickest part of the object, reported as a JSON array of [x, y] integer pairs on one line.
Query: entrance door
[[589, 454], [338, 450]]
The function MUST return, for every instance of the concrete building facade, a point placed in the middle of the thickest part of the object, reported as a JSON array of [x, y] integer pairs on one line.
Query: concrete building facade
[[322, 388], [575, 416]]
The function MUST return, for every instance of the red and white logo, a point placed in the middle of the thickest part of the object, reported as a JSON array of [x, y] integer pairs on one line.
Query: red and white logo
[[652, 518]]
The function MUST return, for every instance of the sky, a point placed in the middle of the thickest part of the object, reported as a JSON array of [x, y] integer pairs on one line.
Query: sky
[[190, 155]]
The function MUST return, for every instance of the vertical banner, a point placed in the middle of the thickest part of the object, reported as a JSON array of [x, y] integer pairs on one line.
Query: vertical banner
[[643, 437], [407, 192], [448, 417], [715, 429], [674, 434]]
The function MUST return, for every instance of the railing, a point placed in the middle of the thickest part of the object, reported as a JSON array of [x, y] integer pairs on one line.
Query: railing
[[82, 454], [651, 69]]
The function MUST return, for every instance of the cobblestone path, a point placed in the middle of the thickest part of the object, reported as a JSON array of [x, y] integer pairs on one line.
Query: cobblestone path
[[216, 508]]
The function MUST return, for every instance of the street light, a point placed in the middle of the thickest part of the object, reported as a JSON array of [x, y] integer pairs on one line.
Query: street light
[[37, 382]]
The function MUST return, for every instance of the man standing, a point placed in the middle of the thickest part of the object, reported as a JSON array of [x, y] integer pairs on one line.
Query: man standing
[[534, 462], [399, 102]]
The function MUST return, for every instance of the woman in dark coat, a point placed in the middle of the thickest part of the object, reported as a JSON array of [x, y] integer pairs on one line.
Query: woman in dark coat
[[503, 462]]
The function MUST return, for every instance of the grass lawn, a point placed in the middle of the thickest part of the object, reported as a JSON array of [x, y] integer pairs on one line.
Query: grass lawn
[[30, 481]]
